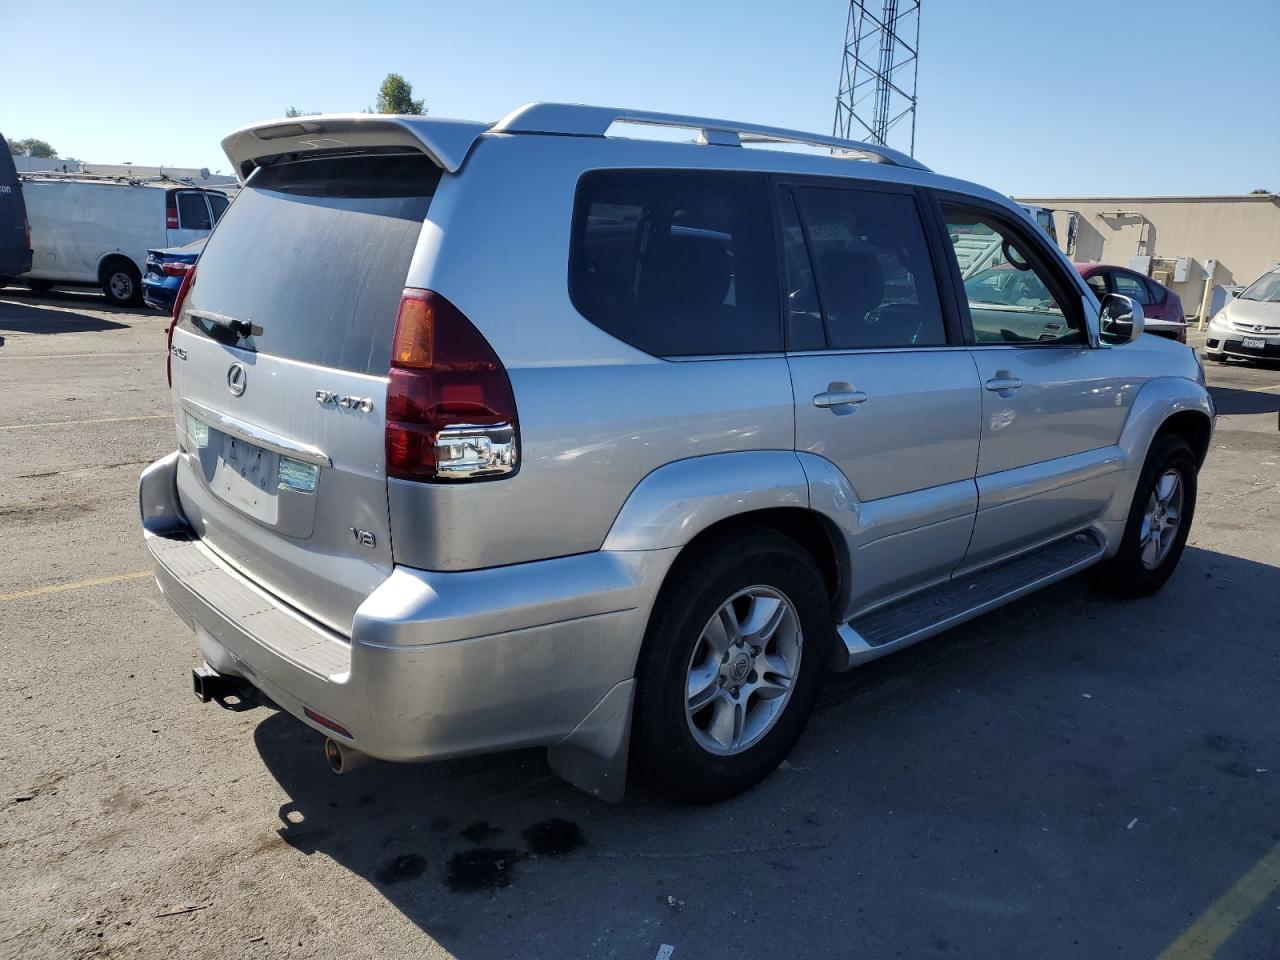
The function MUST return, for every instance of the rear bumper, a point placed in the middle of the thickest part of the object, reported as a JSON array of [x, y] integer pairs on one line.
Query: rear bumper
[[437, 664]]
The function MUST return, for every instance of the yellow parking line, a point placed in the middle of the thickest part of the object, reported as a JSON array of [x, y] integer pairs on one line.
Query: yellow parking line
[[64, 423], [59, 587], [1203, 938]]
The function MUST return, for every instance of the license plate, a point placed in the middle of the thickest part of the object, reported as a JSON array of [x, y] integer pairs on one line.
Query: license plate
[[1253, 343], [246, 477]]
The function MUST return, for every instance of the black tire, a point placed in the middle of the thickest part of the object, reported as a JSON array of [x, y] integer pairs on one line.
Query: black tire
[[40, 286], [121, 282], [1125, 574], [666, 751]]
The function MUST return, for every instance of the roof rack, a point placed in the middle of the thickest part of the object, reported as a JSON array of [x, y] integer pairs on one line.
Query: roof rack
[[572, 119]]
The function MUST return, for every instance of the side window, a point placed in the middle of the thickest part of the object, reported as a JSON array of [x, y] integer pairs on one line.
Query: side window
[[805, 330], [1009, 298], [876, 284], [193, 212], [1158, 293], [677, 263], [1098, 284], [1131, 286], [219, 204]]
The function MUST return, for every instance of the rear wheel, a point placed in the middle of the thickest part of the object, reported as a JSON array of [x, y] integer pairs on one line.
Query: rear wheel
[[730, 667], [1164, 503], [121, 282]]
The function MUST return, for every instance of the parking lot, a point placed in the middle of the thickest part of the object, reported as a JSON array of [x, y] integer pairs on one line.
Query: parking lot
[[1067, 777]]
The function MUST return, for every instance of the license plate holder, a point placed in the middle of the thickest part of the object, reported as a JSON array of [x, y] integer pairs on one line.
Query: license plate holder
[[1253, 343]]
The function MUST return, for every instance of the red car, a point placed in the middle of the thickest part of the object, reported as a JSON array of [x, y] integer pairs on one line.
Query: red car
[[1160, 305]]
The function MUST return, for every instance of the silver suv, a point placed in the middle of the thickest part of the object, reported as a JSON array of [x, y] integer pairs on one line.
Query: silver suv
[[534, 434]]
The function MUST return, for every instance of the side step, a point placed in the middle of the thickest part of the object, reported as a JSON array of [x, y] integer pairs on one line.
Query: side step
[[908, 621]]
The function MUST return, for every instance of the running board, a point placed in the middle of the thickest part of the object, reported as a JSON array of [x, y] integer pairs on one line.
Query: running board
[[909, 621]]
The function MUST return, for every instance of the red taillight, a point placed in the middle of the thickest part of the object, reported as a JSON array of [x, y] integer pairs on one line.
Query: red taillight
[[176, 269], [187, 280], [451, 414], [171, 218]]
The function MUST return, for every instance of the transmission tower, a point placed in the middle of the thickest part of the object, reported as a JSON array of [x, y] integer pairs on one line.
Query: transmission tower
[[877, 93]]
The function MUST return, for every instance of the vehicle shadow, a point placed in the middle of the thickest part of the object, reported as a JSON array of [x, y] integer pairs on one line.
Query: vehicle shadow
[[1229, 401], [18, 317], [944, 801]]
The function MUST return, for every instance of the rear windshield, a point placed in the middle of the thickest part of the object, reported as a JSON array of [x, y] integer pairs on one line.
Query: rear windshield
[[314, 254]]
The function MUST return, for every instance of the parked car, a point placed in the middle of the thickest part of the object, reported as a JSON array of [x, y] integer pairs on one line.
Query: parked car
[[15, 239], [1248, 327], [97, 230], [1161, 307], [547, 437], [165, 271]]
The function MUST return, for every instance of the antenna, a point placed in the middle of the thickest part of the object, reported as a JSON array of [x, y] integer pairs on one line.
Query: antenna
[[876, 97]]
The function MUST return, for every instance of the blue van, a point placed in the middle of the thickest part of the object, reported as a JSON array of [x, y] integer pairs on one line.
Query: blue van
[[15, 235]]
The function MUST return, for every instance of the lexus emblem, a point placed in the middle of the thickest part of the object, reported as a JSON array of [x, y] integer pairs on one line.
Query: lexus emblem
[[237, 379]]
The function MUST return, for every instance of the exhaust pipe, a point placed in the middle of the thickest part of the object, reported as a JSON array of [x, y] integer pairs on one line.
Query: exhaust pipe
[[343, 759]]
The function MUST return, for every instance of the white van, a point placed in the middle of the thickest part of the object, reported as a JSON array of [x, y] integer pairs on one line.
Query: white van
[[97, 231]]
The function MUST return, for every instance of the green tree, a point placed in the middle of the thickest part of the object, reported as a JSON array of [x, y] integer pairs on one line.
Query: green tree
[[295, 112], [31, 147], [396, 96]]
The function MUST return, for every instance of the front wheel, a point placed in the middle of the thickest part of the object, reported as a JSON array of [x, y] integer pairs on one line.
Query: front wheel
[[730, 667], [1155, 534]]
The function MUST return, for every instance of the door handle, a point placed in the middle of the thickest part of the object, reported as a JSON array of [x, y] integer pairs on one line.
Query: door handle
[[1003, 383], [839, 398]]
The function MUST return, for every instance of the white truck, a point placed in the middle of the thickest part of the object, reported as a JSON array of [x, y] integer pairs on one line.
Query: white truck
[[96, 229]]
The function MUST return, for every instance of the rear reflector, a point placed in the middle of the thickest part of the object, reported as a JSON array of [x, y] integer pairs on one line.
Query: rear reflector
[[451, 414], [328, 724]]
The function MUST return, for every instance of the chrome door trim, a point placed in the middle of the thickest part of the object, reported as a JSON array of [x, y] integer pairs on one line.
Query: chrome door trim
[[249, 433]]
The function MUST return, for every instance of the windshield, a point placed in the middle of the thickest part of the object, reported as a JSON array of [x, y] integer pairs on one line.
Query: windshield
[[1265, 288]]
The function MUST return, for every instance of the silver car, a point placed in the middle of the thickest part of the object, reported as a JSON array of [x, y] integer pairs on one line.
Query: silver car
[[531, 434], [1248, 327]]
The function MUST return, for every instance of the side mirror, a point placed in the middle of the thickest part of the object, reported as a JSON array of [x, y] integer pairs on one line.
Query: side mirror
[[1120, 319]]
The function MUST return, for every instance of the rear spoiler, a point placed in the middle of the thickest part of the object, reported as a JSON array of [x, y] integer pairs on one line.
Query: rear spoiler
[[446, 142]]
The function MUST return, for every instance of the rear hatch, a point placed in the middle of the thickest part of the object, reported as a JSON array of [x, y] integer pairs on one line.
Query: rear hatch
[[280, 369]]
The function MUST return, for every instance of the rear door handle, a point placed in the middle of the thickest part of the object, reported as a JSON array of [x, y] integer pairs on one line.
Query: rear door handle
[[839, 398], [1003, 384]]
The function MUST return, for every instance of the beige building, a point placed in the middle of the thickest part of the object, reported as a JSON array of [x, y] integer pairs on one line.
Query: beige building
[[1240, 234]]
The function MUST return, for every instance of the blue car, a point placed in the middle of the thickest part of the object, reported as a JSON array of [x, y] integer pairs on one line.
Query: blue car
[[165, 272]]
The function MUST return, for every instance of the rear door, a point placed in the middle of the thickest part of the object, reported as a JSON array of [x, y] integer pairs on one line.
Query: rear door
[[194, 218], [882, 388], [280, 364], [15, 248]]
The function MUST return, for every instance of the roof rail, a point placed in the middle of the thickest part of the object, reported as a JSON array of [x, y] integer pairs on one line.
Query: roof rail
[[573, 119]]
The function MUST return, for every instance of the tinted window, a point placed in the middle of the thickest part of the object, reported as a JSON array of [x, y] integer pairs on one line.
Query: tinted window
[[1131, 287], [1009, 292], [676, 263], [805, 330], [219, 204], [875, 276], [1098, 284], [316, 252], [193, 212], [1157, 292]]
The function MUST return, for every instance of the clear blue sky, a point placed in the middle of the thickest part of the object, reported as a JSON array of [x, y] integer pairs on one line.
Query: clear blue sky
[[1031, 97]]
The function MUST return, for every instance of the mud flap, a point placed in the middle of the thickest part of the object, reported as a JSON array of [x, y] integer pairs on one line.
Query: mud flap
[[594, 756]]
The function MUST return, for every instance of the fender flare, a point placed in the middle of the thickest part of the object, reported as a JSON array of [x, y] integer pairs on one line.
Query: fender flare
[[1157, 400], [676, 502]]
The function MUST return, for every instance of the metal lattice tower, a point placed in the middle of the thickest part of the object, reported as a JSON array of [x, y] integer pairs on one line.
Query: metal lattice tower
[[877, 93]]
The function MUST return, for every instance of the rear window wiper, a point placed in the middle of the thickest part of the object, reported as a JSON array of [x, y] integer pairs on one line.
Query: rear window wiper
[[240, 328]]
